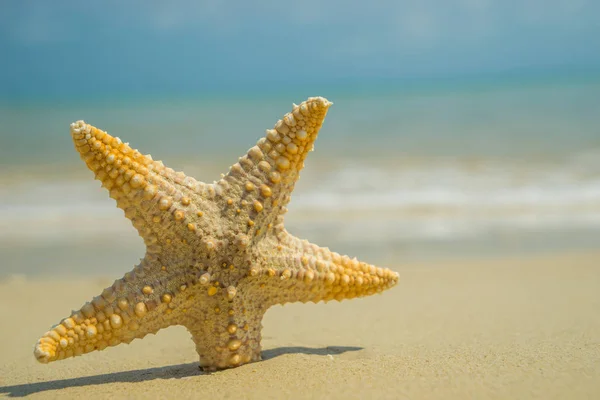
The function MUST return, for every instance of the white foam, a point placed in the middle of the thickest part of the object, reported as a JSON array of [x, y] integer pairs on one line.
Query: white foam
[[440, 200], [455, 184], [57, 210]]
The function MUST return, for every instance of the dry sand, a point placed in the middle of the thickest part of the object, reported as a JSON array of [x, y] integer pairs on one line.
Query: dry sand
[[515, 328]]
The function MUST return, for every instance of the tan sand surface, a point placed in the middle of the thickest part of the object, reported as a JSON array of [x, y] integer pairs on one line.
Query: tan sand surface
[[513, 328]]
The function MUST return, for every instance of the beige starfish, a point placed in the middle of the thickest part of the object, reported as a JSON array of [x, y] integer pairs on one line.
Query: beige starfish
[[218, 255]]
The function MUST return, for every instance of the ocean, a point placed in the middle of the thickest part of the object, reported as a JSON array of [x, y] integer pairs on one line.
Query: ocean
[[397, 175]]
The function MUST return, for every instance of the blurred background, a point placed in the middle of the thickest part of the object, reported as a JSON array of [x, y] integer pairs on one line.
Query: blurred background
[[460, 128]]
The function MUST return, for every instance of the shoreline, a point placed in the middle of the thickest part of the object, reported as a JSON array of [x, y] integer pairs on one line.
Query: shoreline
[[79, 258]]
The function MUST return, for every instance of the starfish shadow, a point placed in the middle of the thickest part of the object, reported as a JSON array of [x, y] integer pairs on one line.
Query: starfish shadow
[[149, 374], [323, 351]]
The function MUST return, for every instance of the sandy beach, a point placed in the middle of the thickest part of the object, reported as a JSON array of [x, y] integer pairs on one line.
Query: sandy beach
[[498, 328]]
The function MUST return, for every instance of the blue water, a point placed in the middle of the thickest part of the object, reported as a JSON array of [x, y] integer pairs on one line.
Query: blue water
[[511, 119], [398, 173]]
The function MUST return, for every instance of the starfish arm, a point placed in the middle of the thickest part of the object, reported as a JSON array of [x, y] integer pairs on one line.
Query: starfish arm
[[156, 199], [296, 270], [138, 304], [263, 179]]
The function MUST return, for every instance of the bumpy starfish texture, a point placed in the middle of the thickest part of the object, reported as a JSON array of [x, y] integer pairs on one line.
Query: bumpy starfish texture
[[218, 255]]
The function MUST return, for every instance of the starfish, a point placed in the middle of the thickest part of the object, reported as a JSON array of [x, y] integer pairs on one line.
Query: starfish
[[217, 255]]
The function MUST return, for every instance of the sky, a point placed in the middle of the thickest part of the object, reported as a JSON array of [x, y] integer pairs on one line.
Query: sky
[[57, 49]]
